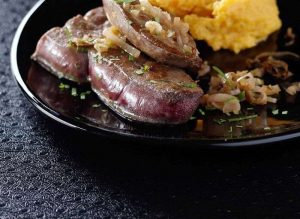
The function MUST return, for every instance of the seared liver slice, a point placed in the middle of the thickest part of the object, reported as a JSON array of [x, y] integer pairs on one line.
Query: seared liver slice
[[162, 95], [146, 42], [56, 54]]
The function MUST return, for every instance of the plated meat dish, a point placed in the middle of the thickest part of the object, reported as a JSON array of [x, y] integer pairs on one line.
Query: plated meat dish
[[88, 49]]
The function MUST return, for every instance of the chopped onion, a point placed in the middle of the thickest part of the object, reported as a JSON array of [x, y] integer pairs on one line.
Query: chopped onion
[[154, 27], [271, 100], [117, 40], [235, 92]]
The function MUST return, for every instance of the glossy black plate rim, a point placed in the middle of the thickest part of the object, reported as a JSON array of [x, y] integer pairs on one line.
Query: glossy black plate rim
[[102, 131]]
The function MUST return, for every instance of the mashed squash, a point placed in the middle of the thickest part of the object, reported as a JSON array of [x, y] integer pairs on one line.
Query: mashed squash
[[186, 7], [227, 24]]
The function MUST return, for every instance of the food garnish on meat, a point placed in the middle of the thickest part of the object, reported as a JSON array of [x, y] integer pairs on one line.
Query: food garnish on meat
[[155, 32]]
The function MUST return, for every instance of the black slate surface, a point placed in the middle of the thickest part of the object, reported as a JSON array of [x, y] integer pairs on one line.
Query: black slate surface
[[49, 171]]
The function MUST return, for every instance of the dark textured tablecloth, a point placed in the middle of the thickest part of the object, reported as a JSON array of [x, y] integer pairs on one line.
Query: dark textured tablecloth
[[50, 171]]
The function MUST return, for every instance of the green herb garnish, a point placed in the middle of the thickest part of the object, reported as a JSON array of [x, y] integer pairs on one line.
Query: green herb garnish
[[267, 129], [241, 96], [275, 112], [63, 86], [230, 129], [193, 118], [187, 85], [74, 92], [220, 121], [239, 119], [242, 118], [220, 72], [84, 94], [131, 58], [201, 112], [145, 68], [285, 112]]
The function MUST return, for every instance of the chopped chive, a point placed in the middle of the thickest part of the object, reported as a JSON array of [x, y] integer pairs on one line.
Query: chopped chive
[[250, 108], [220, 121], [230, 129], [63, 86], [187, 85], [146, 68], [74, 92], [82, 96], [193, 118], [242, 118], [275, 112], [267, 129], [241, 96], [104, 110], [284, 112], [220, 72], [131, 58], [201, 112]]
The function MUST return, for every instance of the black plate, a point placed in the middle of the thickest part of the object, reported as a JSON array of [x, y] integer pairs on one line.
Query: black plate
[[42, 89]]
